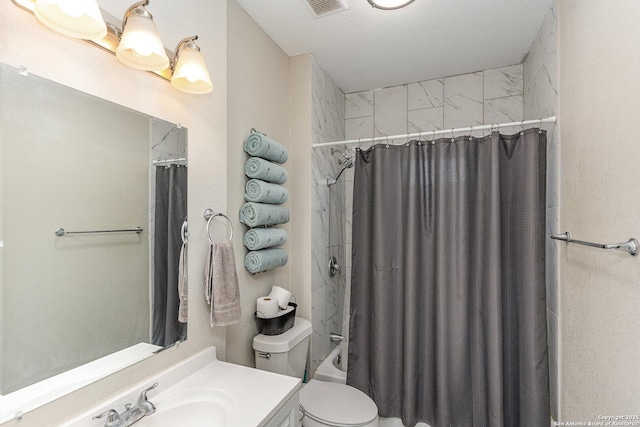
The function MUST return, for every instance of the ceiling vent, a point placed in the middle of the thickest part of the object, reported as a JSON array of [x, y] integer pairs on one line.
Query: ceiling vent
[[321, 8]]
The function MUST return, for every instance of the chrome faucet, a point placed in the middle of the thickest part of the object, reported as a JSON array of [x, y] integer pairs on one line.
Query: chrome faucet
[[130, 414]]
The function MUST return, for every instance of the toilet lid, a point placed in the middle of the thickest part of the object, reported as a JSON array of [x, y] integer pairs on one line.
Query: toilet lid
[[337, 404]]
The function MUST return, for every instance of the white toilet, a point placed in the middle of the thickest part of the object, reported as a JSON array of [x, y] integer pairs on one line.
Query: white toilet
[[323, 403]]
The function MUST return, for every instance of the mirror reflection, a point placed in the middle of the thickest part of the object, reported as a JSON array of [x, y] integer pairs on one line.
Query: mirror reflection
[[88, 166]]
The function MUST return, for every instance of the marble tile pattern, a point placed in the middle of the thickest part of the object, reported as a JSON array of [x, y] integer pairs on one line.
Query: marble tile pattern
[[541, 100], [485, 97], [463, 100], [329, 109]]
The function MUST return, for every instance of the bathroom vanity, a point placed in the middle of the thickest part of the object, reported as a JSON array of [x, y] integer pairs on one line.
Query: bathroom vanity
[[205, 391]]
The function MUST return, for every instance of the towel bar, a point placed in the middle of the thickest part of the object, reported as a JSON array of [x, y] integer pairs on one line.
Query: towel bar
[[630, 246], [61, 231]]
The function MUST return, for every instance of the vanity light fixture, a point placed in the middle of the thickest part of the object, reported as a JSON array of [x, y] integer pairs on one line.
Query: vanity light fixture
[[137, 44], [389, 4], [140, 45], [190, 72], [75, 18]]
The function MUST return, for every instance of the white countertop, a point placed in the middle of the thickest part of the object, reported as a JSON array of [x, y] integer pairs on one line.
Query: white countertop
[[255, 395]]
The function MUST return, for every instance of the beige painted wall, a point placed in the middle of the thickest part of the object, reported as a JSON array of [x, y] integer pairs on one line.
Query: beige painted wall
[[270, 92], [79, 65], [599, 108], [258, 97], [300, 88]]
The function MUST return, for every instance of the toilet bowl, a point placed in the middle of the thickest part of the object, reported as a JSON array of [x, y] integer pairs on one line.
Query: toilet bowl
[[333, 404], [323, 404]]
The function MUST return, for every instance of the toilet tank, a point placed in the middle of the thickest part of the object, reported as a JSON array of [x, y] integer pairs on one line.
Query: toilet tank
[[285, 353]]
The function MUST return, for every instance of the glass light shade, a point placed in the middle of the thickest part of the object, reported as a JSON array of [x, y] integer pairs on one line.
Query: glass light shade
[[75, 18], [389, 4], [140, 46], [190, 74]]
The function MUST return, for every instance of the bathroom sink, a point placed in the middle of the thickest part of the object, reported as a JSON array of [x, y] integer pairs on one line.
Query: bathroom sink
[[203, 391], [193, 407]]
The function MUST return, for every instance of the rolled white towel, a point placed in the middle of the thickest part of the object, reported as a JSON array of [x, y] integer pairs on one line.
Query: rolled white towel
[[264, 192], [256, 214], [265, 259], [260, 238]]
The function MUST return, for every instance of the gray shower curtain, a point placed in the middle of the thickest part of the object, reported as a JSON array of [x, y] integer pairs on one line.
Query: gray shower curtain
[[170, 213], [448, 281]]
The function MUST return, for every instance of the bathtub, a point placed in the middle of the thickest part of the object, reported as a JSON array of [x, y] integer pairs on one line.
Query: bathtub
[[331, 368]]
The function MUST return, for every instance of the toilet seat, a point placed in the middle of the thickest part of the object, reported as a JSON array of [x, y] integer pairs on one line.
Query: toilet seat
[[336, 404]]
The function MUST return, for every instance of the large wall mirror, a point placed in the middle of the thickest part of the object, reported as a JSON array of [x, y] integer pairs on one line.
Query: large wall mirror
[[79, 304]]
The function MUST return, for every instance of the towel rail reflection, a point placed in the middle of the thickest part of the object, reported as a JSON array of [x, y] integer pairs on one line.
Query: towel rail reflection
[[630, 246], [62, 232]]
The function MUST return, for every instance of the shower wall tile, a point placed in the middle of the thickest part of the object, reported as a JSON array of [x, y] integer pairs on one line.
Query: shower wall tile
[[553, 167], [541, 94], [390, 111], [319, 339], [540, 100], [424, 120], [504, 110], [359, 104], [503, 82], [463, 100], [361, 127], [551, 267], [328, 124], [426, 94], [553, 337]]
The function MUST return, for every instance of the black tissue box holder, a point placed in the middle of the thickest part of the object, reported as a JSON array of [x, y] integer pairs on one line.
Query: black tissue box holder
[[276, 325]]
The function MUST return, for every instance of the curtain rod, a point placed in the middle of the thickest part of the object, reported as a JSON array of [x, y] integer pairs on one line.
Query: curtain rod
[[169, 161], [433, 133]]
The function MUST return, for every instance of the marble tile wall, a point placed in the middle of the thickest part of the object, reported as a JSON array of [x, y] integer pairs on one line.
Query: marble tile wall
[[485, 97], [327, 300], [541, 100]]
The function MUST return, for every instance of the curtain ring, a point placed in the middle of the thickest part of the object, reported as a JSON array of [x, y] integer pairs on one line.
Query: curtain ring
[[453, 139], [471, 134], [522, 128], [209, 215]]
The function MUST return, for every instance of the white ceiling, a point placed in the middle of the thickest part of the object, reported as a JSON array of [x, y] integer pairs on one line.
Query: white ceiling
[[365, 48]]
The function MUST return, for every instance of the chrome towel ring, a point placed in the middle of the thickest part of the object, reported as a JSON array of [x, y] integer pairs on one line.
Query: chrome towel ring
[[184, 233], [209, 215]]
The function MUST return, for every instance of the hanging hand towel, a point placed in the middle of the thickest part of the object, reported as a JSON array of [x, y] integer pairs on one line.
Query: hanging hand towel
[[256, 214], [259, 145], [262, 169], [221, 285], [265, 259], [263, 192], [260, 238], [182, 285]]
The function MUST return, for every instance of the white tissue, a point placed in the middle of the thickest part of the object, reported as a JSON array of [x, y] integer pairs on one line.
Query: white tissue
[[267, 307], [282, 295]]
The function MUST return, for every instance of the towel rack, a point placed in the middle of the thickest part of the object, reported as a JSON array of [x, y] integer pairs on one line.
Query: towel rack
[[630, 246], [61, 231], [209, 215]]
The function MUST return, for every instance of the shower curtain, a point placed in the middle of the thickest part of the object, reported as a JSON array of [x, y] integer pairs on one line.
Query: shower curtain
[[448, 281], [170, 213]]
